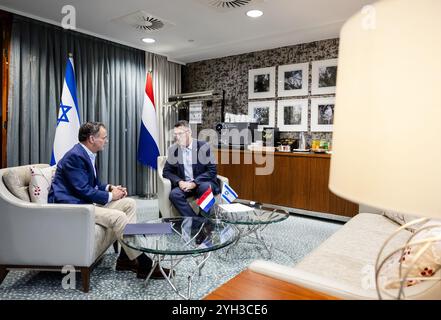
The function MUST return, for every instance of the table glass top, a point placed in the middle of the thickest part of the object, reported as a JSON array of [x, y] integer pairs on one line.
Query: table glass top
[[190, 235]]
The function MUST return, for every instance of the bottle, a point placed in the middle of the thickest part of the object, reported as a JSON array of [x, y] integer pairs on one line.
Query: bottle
[[302, 144]]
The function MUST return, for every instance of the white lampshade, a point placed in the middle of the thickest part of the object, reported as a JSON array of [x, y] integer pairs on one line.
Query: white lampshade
[[388, 108]]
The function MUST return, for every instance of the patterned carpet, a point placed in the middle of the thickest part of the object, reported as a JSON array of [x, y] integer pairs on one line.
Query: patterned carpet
[[292, 239]]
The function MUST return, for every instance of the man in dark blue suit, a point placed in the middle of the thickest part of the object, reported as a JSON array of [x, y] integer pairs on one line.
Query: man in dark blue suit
[[76, 181], [190, 167]]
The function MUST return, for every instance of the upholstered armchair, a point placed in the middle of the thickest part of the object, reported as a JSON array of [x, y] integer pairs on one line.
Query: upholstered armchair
[[166, 208], [46, 236]]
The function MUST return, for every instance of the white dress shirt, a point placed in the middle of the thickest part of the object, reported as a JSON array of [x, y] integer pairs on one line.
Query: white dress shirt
[[92, 157], [187, 160]]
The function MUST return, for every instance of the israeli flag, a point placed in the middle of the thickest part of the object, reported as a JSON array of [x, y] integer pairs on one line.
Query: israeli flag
[[68, 122], [228, 194]]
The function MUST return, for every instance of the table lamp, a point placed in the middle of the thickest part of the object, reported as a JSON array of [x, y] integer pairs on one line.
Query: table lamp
[[388, 108]]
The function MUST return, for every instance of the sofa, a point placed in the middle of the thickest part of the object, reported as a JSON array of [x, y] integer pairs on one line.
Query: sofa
[[166, 208], [343, 265], [47, 236]]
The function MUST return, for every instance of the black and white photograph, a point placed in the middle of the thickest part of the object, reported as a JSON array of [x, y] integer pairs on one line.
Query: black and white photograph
[[322, 114], [261, 83], [327, 76], [324, 76], [263, 113], [292, 115], [293, 80], [326, 114]]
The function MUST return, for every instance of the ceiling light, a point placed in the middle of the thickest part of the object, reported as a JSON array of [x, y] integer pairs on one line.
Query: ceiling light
[[149, 40], [254, 13]]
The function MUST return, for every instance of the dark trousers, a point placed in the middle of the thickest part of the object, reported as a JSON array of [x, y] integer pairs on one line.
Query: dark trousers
[[179, 198]]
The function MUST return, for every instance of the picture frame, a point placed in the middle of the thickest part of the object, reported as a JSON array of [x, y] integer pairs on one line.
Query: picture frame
[[324, 76], [262, 83], [293, 80], [322, 114], [264, 112], [292, 115]]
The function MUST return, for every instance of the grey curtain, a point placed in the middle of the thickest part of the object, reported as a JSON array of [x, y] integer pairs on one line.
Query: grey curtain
[[110, 86]]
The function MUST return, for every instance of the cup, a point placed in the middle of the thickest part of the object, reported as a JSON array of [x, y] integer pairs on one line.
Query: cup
[[315, 144]]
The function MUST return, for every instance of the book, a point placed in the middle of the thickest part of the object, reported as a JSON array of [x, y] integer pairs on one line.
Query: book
[[147, 228]]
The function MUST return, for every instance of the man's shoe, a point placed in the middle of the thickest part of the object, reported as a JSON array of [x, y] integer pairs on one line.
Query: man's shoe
[[126, 265], [143, 273]]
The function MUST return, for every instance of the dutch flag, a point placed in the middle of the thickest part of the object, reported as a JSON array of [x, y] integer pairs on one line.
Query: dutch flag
[[148, 148], [68, 122], [206, 201], [228, 194]]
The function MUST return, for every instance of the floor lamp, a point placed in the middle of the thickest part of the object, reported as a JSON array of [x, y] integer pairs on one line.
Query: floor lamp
[[388, 111]]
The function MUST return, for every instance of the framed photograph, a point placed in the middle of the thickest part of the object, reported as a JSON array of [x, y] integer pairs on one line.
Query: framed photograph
[[292, 115], [262, 83], [324, 76], [293, 80], [263, 112], [322, 114]]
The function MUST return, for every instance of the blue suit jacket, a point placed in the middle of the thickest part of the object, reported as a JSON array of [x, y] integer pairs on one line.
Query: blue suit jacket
[[75, 180], [204, 166]]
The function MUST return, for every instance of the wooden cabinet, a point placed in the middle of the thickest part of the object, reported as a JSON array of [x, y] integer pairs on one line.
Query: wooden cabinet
[[298, 180]]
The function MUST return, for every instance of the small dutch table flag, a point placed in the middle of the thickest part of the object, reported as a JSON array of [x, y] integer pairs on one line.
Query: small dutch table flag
[[206, 201]]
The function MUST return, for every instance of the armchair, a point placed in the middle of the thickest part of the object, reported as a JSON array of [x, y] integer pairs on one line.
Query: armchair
[[48, 236], [166, 208]]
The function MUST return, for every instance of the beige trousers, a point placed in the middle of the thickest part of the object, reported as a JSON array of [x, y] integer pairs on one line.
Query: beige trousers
[[115, 215]]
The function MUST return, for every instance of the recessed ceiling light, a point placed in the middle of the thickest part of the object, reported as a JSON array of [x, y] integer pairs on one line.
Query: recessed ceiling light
[[254, 13], [149, 40]]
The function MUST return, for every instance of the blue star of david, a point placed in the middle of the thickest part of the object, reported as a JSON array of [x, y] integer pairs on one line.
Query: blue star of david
[[63, 117]]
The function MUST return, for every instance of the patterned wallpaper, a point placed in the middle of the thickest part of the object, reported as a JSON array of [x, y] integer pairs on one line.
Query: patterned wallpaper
[[231, 75]]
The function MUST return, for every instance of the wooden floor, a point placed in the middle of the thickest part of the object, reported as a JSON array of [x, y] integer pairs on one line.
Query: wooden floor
[[249, 285]]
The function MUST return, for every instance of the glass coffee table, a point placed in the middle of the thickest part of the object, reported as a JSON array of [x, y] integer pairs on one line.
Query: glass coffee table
[[250, 222], [192, 237]]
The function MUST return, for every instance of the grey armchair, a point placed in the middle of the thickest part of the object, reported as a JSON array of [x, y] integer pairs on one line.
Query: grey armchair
[[47, 236], [166, 208]]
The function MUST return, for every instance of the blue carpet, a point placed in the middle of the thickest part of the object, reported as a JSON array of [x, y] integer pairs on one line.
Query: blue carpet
[[292, 239]]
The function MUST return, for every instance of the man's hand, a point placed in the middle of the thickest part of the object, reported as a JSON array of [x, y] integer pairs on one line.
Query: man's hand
[[187, 185], [117, 194], [112, 187]]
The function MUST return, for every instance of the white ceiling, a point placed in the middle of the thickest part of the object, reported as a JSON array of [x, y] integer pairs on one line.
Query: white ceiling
[[215, 33]]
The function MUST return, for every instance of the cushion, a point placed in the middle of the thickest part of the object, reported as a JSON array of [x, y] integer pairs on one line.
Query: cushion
[[40, 184], [17, 183], [426, 265]]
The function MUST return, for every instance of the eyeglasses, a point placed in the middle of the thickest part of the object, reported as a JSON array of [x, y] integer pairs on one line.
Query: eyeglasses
[[178, 134]]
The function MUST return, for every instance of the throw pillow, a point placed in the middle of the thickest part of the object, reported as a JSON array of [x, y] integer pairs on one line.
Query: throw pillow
[[426, 265], [41, 180]]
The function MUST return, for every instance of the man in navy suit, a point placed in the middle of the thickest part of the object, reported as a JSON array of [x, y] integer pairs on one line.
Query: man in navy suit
[[190, 167], [76, 181]]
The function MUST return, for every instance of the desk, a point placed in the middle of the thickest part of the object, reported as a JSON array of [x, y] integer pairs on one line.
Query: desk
[[298, 180]]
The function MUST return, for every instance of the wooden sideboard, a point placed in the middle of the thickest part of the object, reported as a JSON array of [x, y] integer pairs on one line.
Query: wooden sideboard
[[298, 180]]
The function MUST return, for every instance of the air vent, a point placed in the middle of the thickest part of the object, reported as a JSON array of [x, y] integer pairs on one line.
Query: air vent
[[225, 4], [228, 5], [143, 22]]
